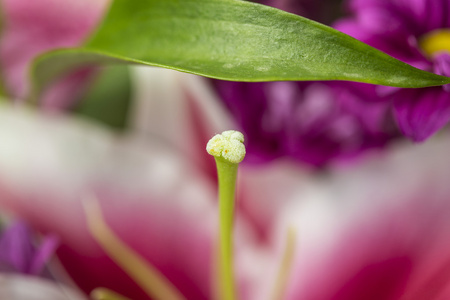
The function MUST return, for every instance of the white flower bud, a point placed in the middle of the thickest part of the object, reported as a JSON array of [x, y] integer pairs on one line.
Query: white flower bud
[[228, 145]]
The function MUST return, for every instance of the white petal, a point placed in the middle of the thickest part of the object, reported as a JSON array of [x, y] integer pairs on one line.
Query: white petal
[[18, 287]]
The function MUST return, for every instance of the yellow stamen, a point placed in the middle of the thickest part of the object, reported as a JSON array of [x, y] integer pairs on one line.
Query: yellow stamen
[[144, 274], [106, 294], [279, 290], [435, 42]]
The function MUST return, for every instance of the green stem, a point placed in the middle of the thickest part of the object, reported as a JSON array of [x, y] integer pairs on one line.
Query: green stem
[[227, 173], [229, 150]]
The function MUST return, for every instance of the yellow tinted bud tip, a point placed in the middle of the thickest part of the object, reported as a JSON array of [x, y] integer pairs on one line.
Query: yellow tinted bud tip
[[229, 145]]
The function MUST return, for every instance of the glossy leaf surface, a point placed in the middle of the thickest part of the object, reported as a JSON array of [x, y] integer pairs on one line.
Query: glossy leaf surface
[[230, 40]]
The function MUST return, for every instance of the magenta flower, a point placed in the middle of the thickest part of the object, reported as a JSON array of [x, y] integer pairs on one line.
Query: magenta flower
[[30, 28], [321, 123], [417, 33], [309, 122], [315, 123]]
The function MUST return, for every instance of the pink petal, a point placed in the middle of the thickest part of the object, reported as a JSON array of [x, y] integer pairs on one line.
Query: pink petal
[[265, 190], [32, 27], [156, 199], [157, 203], [377, 231]]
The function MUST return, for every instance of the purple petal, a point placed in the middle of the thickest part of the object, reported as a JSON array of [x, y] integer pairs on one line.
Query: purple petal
[[16, 249], [400, 45], [435, 13], [360, 100], [421, 112], [18, 252], [442, 67], [395, 27], [391, 26], [43, 254], [427, 14], [351, 27], [442, 64]]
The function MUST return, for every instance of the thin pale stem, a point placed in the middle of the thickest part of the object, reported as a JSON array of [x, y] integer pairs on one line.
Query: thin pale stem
[[227, 173], [279, 290], [143, 273], [106, 294], [229, 150]]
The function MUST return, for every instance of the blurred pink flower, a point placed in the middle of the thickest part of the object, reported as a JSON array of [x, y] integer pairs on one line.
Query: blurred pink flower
[[30, 28], [378, 230], [153, 193]]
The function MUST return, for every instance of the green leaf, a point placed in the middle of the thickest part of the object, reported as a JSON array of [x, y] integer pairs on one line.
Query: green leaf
[[231, 40], [108, 98], [4, 93]]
